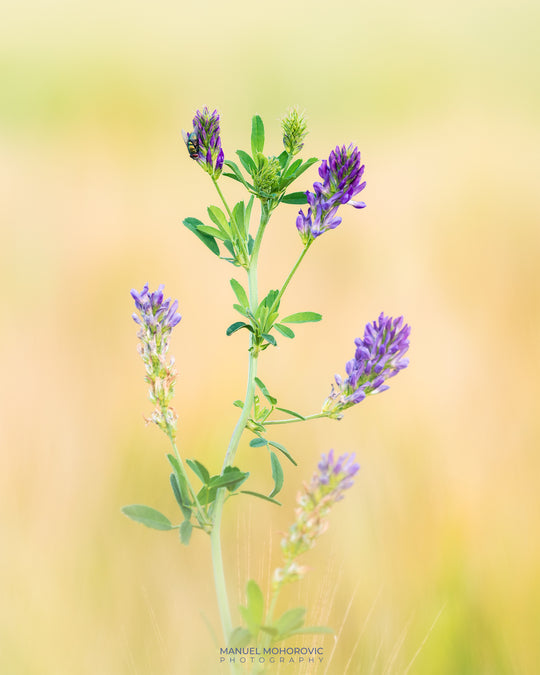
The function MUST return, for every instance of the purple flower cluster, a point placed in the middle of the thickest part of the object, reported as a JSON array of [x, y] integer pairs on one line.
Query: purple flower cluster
[[342, 180], [379, 355], [157, 317], [204, 142], [314, 503]]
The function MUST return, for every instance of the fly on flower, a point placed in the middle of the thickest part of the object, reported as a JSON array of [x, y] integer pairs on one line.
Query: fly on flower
[[192, 143]]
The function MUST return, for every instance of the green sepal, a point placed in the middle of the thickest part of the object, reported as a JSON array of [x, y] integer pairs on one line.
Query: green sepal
[[258, 442], [271, 399], [199, 470], [147, 516], [240, 637], [284, 450], [237, 325], [302, 317], [247, 162], [277, 474], [186, 528], [257, 135], [258, 494], [240, 293], [294, 198], [193, 225], [291, 412], [284, 330]]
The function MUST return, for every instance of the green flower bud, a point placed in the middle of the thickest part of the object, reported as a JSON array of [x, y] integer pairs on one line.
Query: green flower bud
[[266, 180], [294, 128]]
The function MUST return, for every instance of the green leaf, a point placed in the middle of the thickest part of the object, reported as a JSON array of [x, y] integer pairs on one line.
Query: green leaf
[[186, 528], [219, 218], [302, 317], [294, 198], [309, 162], [240, 293], [238, 215], [237, 174], [270, 338], [213, 232], [290, 171], [184, 492], [247, 214], [258, 442], [284, 330], [282, 449], [193, 225], [311, 630], [255, 602], [147, 516], [231, 478], [282, 159], [258, 494], [247, 162], [292, 619], [236, 326], [277, 474], [238, 403], [291, 412], [257, 135], [240, 637], [206, 495], [199, 470], [186, 511], [271, 399]]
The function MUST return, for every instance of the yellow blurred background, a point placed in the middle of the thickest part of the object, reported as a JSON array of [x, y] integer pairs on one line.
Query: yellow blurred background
[[431, 565]]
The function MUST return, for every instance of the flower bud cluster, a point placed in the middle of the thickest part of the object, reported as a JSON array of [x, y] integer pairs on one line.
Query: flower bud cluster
[[342, 180], [266, 179], [204, 142], [294, 129], [327, 487], [157, 317], [379, 356]]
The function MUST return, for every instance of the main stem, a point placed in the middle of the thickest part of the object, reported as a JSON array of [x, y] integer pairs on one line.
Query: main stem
[[215, 536]]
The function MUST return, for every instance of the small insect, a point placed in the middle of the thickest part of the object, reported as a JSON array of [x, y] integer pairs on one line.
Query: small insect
[[192, 143]]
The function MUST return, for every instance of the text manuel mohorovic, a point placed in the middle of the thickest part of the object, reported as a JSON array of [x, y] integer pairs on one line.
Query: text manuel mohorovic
[[272, 654]]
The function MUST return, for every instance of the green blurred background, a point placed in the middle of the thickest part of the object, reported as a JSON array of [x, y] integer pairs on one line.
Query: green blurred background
[[432, 564]]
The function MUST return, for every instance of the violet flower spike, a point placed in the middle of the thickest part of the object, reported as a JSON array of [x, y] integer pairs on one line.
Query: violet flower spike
[[379, 355], [156, 318], [341, 180], [327, 487], [204, 142]]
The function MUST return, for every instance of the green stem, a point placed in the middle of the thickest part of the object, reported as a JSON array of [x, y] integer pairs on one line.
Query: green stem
[[290, 420], [215, 536], [201, 515], [292, 272]]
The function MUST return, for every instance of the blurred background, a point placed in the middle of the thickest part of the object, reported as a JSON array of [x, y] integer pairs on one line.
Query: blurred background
[[432, 563]]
